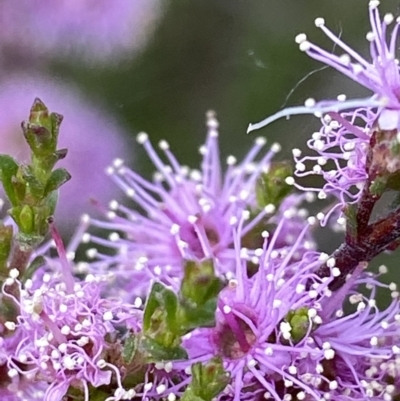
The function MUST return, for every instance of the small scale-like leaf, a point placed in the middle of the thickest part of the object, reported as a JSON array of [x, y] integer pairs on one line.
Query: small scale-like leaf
[[271, 188], [56, 120], [198, 295], [207, 381], [51, 202], [57, 178], [31, 182], [130, 347], [161, 303], [200, 284], [37, 263], [299, 322], [26, 220], [156, 352], [6, 235], [38, 130], [8, 171], [379, 185], [61, 154], [350, 211], [151, 305], [160, 321]]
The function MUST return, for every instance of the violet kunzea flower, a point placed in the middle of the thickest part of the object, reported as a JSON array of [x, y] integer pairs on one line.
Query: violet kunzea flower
[[363, 345], [60, 336], [340, 157], [100, 31], [183, 214], [263, 325], [89, 134], [380, 74], [283, 335]]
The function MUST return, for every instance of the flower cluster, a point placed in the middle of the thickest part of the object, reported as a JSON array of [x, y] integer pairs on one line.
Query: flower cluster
[[349, 127], [63, 333], [341, 157], [283, 334], [380, 75], [187, 214], [208, 283]]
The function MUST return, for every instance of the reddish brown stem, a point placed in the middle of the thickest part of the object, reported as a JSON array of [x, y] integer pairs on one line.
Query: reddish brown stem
[[365, 240], [382, 235]]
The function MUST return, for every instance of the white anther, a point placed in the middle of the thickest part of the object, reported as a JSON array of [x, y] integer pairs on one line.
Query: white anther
[[142, 137]]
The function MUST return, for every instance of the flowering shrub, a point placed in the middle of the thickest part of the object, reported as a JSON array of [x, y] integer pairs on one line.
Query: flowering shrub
[[208, 284]]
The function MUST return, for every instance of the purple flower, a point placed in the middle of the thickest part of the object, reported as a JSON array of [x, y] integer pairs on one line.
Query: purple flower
[[60, 333], [363, 344], [62, 336], [182, 215], [91, 136], [342, 143], [380, 75], [97, 31], [260, 345], [282, 333], [341, 149]]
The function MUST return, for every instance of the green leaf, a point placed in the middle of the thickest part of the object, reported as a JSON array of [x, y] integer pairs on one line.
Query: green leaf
[[57, 178], [156, 352], [198, 295], [56, 120], [32, 188], [8, 171], [37, 137], [26, 219], [160, 310], [200, 284], [151, 305], [6, 235], [31, 183], [299, 322], [38, 130], [167, 317], [200, 316], [160, 317], [130, 347], [37, 263], [51, 202], [378, 186], [208, 381], [271, 187], [350, 211]]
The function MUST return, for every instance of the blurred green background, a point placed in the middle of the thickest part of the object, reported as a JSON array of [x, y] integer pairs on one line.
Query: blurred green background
[[237, 57]]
